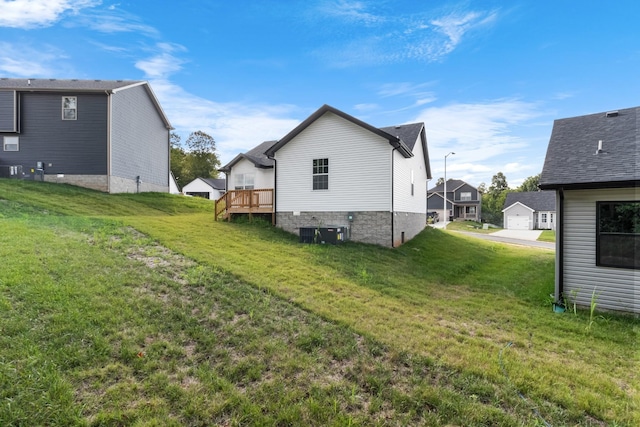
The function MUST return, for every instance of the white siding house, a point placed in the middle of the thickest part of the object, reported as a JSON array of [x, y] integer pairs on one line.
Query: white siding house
[[335, 170], [592, 163], [530, 210], [208, 188]]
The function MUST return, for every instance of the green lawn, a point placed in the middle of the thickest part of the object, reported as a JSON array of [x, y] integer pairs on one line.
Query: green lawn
[[547, 236], [141, 310], [471, 226]]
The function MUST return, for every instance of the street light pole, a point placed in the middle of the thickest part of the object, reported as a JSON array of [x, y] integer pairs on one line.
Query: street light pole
[[446, 210]]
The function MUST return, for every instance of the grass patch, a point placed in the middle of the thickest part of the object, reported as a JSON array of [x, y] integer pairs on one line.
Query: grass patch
[[187, 321], [472, 226], [547, 236]]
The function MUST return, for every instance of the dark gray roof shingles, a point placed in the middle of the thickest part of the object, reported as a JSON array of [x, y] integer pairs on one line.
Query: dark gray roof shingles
[[536, 200], [572, 158], [406, 133], [217, 183]]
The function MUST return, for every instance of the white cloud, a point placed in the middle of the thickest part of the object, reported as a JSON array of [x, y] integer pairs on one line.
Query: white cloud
[[25, 61], [394, 38], [113, 20], [483, 136], [164, 63], [38, 13], [236, 127], [354, 11]]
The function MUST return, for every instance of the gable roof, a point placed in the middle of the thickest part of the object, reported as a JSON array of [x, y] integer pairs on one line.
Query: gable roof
[[535, 200], [256, 156], [574, 161], [452, 185], [77, 85], [395, 141]]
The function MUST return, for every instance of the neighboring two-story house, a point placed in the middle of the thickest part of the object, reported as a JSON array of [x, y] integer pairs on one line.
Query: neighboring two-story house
[[464, 201], [593, 165], [336, 170], [109, 135]]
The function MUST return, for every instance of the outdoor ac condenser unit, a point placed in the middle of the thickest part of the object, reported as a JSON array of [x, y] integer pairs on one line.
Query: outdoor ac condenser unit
[[324, 235]]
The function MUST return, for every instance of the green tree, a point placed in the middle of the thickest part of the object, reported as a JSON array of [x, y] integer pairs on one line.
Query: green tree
[[493, 199], [530, 184], [201, 158], [178, 156], [440, 181]]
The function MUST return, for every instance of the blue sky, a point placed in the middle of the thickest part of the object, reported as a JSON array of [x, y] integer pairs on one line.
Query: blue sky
[[486, 77]]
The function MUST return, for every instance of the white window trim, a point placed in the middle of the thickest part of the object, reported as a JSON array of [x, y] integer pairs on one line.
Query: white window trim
[[9, 141], [320, 174], [75, 109]]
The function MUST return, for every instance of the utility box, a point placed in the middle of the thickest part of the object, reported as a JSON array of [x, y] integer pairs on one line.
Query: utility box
[[324, 235], [11, 171]]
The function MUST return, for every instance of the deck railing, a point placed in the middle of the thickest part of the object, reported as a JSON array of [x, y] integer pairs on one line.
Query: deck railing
[[244, 202]]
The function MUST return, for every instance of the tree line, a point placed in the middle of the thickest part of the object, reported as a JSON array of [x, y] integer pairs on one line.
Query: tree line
[[196, 159], [493, 198]]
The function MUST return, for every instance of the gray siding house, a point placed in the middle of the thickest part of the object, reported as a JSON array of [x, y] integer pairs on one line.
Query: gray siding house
[[108, 135], [593, 165], [530, 210], [464, 201]]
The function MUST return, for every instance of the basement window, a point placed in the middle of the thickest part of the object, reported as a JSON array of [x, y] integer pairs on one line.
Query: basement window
[[69, 108], [11, 143], [618, 234], [320, 174]]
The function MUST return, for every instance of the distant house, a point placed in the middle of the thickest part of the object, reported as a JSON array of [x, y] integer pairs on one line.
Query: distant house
[[530, 210], [464, 201], [335, 170], [592, 164], [109, 135], [208, 188]]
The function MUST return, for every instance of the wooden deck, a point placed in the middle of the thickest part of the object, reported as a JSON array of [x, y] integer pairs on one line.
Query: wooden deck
[[244, 202]]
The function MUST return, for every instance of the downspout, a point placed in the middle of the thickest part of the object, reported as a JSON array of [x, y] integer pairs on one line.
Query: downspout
[[559, 246], [109, 106], [392, 196], [275, 186]]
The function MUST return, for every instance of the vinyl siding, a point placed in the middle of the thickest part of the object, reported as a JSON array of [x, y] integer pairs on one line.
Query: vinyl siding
[[263, 177], [139, 138], [199, 186], [8, 111], [402, 169], [72, 147], [465, 188], [359, 169], [616, 288]]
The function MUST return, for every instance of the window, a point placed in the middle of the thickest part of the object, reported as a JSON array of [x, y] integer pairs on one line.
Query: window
[[11, 143], [544, 217], [69, 108], [320, 174], [244, 181], [471, 210], [618, 234], [465, 196], [551, 218]]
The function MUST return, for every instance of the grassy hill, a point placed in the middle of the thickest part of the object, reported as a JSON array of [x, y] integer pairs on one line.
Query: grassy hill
[[141, 310]]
